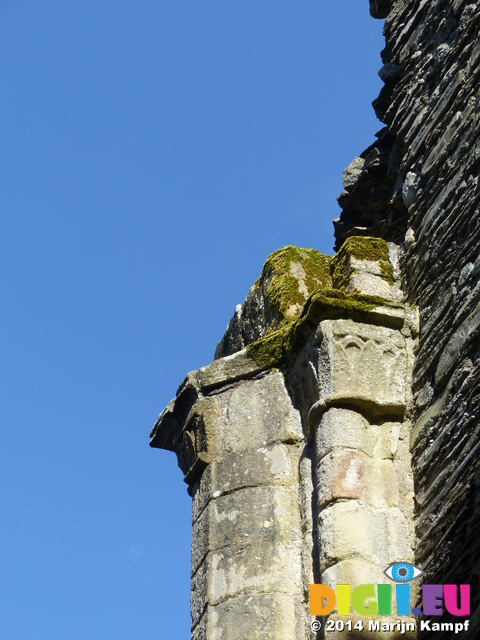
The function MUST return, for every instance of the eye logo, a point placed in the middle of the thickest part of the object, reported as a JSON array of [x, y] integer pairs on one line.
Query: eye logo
[[402, 572]]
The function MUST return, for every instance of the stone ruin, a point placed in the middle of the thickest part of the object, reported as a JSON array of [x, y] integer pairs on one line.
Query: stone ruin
[[337, 429]]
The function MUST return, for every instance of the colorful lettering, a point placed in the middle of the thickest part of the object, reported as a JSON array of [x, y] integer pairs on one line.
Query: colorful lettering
[[451, 602]]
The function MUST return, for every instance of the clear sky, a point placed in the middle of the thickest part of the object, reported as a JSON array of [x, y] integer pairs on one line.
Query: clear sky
[[153, 153]]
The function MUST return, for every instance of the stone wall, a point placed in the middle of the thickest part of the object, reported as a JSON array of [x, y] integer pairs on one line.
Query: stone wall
[[422, 179]]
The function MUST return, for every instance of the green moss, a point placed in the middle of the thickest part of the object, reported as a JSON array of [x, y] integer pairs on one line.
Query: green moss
[[334, 303], [289, 276], [285, 344], [328, 305], [313, 293], [362, 248], [269, 351]]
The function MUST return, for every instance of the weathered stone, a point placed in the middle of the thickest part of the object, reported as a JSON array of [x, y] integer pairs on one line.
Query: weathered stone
[[266, 511], [168, 430], [349, 474], [363, 265], [432, 112], [354, 530], [357, 365], [346, 345], [271, 511], [410, 188], [362, 254], [368, 364], [252, 515], [295, 291], [366, 278], [273, 465], [257, 413], [345, 429], [227, 370], [264, 617], [253, 569], [352, 173], [277, 298]]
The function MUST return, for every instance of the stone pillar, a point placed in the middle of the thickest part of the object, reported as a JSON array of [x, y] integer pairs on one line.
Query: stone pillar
[[246, 537], [295, 448], [362, 470]]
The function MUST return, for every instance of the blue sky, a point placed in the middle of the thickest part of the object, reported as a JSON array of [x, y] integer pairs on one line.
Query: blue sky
[[154, 152]]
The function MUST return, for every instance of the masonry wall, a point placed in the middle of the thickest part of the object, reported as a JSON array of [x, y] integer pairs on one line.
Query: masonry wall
[[419, 185]]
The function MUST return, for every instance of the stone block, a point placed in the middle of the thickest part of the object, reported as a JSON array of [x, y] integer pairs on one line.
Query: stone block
[[388, 316], [353, 571], [273, 465], [363, 265], [342, 428], [366, 277], [257, 413], [368, 365], [254, 617], [256, 515], [353, 365], [350, 474], [255, 568], [226, 370], [355, 530]]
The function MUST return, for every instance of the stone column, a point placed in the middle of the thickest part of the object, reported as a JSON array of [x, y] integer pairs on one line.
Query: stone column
[[295, 448], [362, 472], [246, 537], [354, 384]]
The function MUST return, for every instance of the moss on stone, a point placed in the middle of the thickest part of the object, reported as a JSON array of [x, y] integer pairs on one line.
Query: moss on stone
[[289, 276], [361, 248], [332, 302], [268, 351], [285, 344], [312, 296]]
